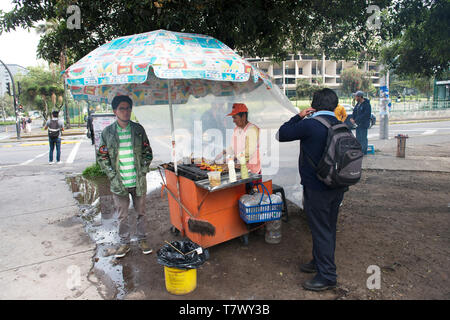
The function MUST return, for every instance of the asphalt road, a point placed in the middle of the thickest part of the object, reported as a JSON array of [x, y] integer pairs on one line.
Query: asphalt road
[[76, 154], [412, 129]]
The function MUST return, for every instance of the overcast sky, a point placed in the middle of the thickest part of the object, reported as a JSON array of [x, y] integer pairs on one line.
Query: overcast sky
[[18, 47]]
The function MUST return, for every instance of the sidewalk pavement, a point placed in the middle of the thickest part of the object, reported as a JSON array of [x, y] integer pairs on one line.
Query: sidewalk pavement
[[424, 153], [45, 252], [38, 133]]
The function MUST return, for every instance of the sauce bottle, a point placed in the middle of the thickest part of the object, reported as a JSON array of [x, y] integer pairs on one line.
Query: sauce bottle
[[244, 170]]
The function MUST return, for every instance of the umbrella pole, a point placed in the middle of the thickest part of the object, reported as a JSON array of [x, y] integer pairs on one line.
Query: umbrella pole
[[172, 129]]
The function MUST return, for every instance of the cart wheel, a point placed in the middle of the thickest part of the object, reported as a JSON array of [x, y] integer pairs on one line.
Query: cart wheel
[[244, 239], [174, 231]]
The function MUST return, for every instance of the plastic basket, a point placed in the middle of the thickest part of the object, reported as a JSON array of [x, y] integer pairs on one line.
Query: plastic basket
[[261, 212]]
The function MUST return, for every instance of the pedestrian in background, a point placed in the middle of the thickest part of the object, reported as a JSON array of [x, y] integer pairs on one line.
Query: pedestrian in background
[[90, 128], [124, 154], [321, 203], [361, 117], [55, 128]]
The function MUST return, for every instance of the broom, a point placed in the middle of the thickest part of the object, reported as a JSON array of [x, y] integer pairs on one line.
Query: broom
[[195, 225]]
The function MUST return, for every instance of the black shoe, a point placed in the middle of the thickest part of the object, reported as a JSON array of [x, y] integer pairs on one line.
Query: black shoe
[[318, 284], [309, 267]]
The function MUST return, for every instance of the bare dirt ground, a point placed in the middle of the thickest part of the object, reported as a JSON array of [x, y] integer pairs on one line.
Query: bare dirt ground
[[397, 221]]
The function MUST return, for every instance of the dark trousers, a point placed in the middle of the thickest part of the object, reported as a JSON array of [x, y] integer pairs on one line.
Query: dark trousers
[[322, 208], [54, 142], [361, 136]]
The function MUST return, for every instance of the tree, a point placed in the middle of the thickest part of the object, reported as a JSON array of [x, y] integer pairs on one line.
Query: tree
[[42, 89], [305, 89], [7, 106], [353, 79], [400, 84], [422, 46], [254, 27]]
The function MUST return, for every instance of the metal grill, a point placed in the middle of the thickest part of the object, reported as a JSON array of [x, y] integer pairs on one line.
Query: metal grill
[[190, 171]]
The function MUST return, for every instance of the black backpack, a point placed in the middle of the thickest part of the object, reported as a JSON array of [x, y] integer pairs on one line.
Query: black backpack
[[341, 162], [53, 129]]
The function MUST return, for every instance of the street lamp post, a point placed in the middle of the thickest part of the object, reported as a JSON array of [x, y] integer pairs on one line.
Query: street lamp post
[[14, 98]]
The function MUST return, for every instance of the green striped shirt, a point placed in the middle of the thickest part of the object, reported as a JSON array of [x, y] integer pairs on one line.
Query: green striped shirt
[[127, 168]]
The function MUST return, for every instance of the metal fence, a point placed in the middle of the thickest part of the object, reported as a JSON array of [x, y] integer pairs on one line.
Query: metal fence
[[414, 106]]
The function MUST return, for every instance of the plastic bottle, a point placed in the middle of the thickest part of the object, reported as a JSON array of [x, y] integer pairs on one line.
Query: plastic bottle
[[244, 170], [273, 232], [231, 170]]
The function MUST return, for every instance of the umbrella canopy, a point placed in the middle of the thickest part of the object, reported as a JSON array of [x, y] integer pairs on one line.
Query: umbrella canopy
[[138, 66]]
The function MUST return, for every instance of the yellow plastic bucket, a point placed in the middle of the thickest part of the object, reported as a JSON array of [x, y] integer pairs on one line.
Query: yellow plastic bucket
[[180, 281]]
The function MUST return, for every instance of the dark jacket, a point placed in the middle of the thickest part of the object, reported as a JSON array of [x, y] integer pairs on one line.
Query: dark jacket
[[361, 114], [313, 137], [108, 157]]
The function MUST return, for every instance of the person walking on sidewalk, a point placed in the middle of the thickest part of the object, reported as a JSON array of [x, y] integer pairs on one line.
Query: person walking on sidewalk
[[361, 117], [55, 128], [90, 128], [321, 203], [124, 154]]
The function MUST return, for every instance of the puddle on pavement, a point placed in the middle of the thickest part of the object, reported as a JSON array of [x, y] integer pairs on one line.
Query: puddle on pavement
[[96, 207]]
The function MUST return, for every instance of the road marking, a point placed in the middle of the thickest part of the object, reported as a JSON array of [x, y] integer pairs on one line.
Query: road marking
[[46, 143], [427, 132], [73, 153], [31, 160]]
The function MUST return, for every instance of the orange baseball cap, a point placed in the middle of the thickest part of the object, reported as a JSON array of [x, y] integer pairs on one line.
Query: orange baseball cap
[[238, 108]]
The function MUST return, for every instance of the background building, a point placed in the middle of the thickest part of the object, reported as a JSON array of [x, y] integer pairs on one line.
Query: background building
[[4, 76], [302, 66]]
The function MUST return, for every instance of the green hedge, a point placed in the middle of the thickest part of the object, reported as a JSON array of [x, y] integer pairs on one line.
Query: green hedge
[[7, 123], [93, 171]]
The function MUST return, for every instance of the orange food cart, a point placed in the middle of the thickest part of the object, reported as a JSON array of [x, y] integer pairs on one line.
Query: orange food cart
[[217, 205]]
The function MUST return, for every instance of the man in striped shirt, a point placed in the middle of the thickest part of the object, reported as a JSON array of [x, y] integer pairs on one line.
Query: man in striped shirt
[[125, 155]]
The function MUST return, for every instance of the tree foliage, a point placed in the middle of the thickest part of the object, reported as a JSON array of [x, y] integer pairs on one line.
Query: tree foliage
[[354, 79], [305, 88], [42, 89], [422, 46], [415, 32], [253, 27]]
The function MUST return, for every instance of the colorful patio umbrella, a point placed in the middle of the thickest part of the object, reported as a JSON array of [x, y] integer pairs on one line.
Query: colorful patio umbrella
[[140, 65]]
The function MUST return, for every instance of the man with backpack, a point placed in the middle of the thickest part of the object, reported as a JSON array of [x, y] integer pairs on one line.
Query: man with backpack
[[330, 160], [55, 127]]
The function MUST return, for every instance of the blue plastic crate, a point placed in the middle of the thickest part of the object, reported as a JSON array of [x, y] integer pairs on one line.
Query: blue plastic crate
[[261, 212]]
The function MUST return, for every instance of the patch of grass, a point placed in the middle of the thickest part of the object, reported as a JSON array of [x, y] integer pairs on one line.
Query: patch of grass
[[93, 171], [7, 123]]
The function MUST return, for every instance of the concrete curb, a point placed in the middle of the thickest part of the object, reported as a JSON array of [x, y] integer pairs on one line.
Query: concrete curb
[[39, 135]]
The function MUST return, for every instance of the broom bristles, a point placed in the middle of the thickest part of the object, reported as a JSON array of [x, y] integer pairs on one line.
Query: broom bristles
[[201, 226]]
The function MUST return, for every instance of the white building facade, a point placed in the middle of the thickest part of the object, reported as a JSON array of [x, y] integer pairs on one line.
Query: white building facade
[[302, 66]]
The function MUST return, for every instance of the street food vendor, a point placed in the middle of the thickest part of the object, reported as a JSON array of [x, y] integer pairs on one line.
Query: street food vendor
[[245, 138]]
